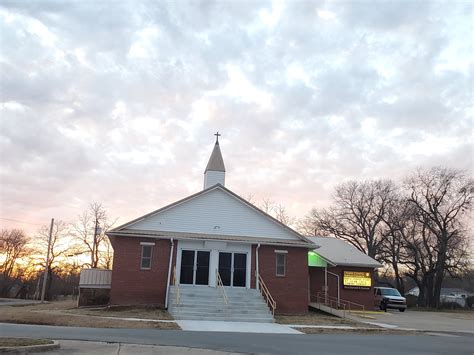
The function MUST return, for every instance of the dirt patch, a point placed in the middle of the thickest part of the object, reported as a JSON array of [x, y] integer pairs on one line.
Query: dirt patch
[[64, 313], [316, 318], [14, 342]]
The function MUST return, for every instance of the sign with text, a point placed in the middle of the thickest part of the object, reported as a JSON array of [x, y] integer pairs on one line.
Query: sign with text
[[357, 280]]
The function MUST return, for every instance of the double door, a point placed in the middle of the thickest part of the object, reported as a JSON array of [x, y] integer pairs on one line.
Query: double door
[[194, 267], [233, 268]]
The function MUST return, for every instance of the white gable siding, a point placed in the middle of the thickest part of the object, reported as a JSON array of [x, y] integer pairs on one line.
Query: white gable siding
[[212, 178], [215, 212]]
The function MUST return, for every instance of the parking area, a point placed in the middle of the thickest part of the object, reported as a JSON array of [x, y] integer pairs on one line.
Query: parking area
[[459, 321]]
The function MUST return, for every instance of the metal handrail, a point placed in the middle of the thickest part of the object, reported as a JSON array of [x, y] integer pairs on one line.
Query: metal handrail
[[176, 286], [337, 301], [266, 294], [221, 286]]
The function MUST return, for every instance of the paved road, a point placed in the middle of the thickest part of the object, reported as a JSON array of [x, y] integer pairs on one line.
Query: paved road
[[257, 343]]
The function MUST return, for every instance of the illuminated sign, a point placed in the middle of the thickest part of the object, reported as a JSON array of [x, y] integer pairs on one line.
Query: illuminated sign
[[356, 279]]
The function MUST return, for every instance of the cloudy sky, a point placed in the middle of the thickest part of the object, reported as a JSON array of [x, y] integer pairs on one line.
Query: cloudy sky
[[117, 101]]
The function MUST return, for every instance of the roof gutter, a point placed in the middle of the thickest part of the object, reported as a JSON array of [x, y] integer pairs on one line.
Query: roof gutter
[[145, 235]]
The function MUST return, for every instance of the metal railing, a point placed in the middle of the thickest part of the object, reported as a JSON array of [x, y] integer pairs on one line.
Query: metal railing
[[221, 286], [176, 287], [266, 294], [335, 303]]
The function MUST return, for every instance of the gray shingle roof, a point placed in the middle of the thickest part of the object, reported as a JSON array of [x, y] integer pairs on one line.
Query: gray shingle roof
[[339, 252], [216, 163]]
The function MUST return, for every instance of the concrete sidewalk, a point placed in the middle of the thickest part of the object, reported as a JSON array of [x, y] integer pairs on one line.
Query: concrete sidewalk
[[102, 348], [236, 327]]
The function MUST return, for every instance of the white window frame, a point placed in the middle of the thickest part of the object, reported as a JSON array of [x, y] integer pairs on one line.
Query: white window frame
[[281, 253], [143, 246]]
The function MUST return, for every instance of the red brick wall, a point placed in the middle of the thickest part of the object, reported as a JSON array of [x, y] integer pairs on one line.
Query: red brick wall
[[365, 297], [130, 285], [290, 291]]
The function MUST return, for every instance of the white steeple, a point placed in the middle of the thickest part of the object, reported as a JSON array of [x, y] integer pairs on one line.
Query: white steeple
[[215, 169]]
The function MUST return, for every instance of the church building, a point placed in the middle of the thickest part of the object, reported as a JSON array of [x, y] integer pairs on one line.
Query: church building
[[212, 244]]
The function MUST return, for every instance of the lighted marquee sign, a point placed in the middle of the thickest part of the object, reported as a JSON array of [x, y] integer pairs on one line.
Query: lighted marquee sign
[[357, 280]]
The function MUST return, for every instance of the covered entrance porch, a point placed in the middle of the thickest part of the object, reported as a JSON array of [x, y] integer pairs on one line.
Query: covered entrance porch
[[198, 262]]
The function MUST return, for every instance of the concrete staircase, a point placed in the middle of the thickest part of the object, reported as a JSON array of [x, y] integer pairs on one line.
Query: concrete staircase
[[207, 303]]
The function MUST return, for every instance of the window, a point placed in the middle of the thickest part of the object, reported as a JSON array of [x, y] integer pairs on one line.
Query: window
[[280, 264], [147, 252]]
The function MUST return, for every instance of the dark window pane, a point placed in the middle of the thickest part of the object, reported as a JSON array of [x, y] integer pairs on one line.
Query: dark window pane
[[240, 276], [240, 261], [240, 270], [225, 263], [280, 264], [146, 263], [146, 251], [187, 257], [187, 267], [202, 268]]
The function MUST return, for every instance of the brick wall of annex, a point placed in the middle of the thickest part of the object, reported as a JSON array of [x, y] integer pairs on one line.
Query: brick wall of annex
[[290, 291], [364, 297], [130, 284]]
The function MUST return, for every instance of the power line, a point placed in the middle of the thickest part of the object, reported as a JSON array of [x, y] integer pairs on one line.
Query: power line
[[16, 220]]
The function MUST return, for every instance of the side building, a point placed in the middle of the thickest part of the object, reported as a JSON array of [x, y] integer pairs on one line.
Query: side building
[[338, 270]]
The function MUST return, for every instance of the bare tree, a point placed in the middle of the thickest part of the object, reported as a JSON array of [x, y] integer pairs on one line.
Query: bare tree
[[13, 246], [267, 205], [282, 215], [90, 231], [356, 215], [60, 245], [442, 198]]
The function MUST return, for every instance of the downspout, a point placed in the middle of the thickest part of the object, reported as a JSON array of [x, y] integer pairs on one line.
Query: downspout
[[256, 267], [169, 274]]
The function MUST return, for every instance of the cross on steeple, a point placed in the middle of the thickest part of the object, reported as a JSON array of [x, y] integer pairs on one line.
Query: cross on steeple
[[217, 136]]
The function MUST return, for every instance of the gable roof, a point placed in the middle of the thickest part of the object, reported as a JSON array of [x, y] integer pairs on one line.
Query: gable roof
[[340, 253], [216, 162], [127, 228]]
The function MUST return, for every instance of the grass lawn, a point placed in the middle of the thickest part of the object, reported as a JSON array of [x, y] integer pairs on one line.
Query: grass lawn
[[65, 313], [14, 342]]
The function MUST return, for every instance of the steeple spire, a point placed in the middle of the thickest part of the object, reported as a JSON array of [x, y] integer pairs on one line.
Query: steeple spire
[[215, 169]]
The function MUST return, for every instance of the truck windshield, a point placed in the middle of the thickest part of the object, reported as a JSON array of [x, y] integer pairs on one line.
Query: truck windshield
[[390, 292]]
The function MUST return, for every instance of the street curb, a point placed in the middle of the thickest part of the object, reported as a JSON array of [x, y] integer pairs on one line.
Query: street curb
[[29, 349]]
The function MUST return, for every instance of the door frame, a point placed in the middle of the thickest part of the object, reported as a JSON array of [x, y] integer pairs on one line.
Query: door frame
[[215, 247], [247, 264], [195, 250]]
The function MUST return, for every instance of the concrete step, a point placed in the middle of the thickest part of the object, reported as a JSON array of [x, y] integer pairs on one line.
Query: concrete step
[[230, 306], [207, 303], [239, 302], [229, 319], [185, 308]]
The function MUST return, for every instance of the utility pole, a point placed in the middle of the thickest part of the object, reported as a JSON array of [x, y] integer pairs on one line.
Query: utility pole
[[94, 246], [46, 269]]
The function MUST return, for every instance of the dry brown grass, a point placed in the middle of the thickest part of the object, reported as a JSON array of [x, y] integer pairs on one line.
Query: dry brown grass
[[65, 313], [14, 342], [142, 312], [316, 318], [358, 331]]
